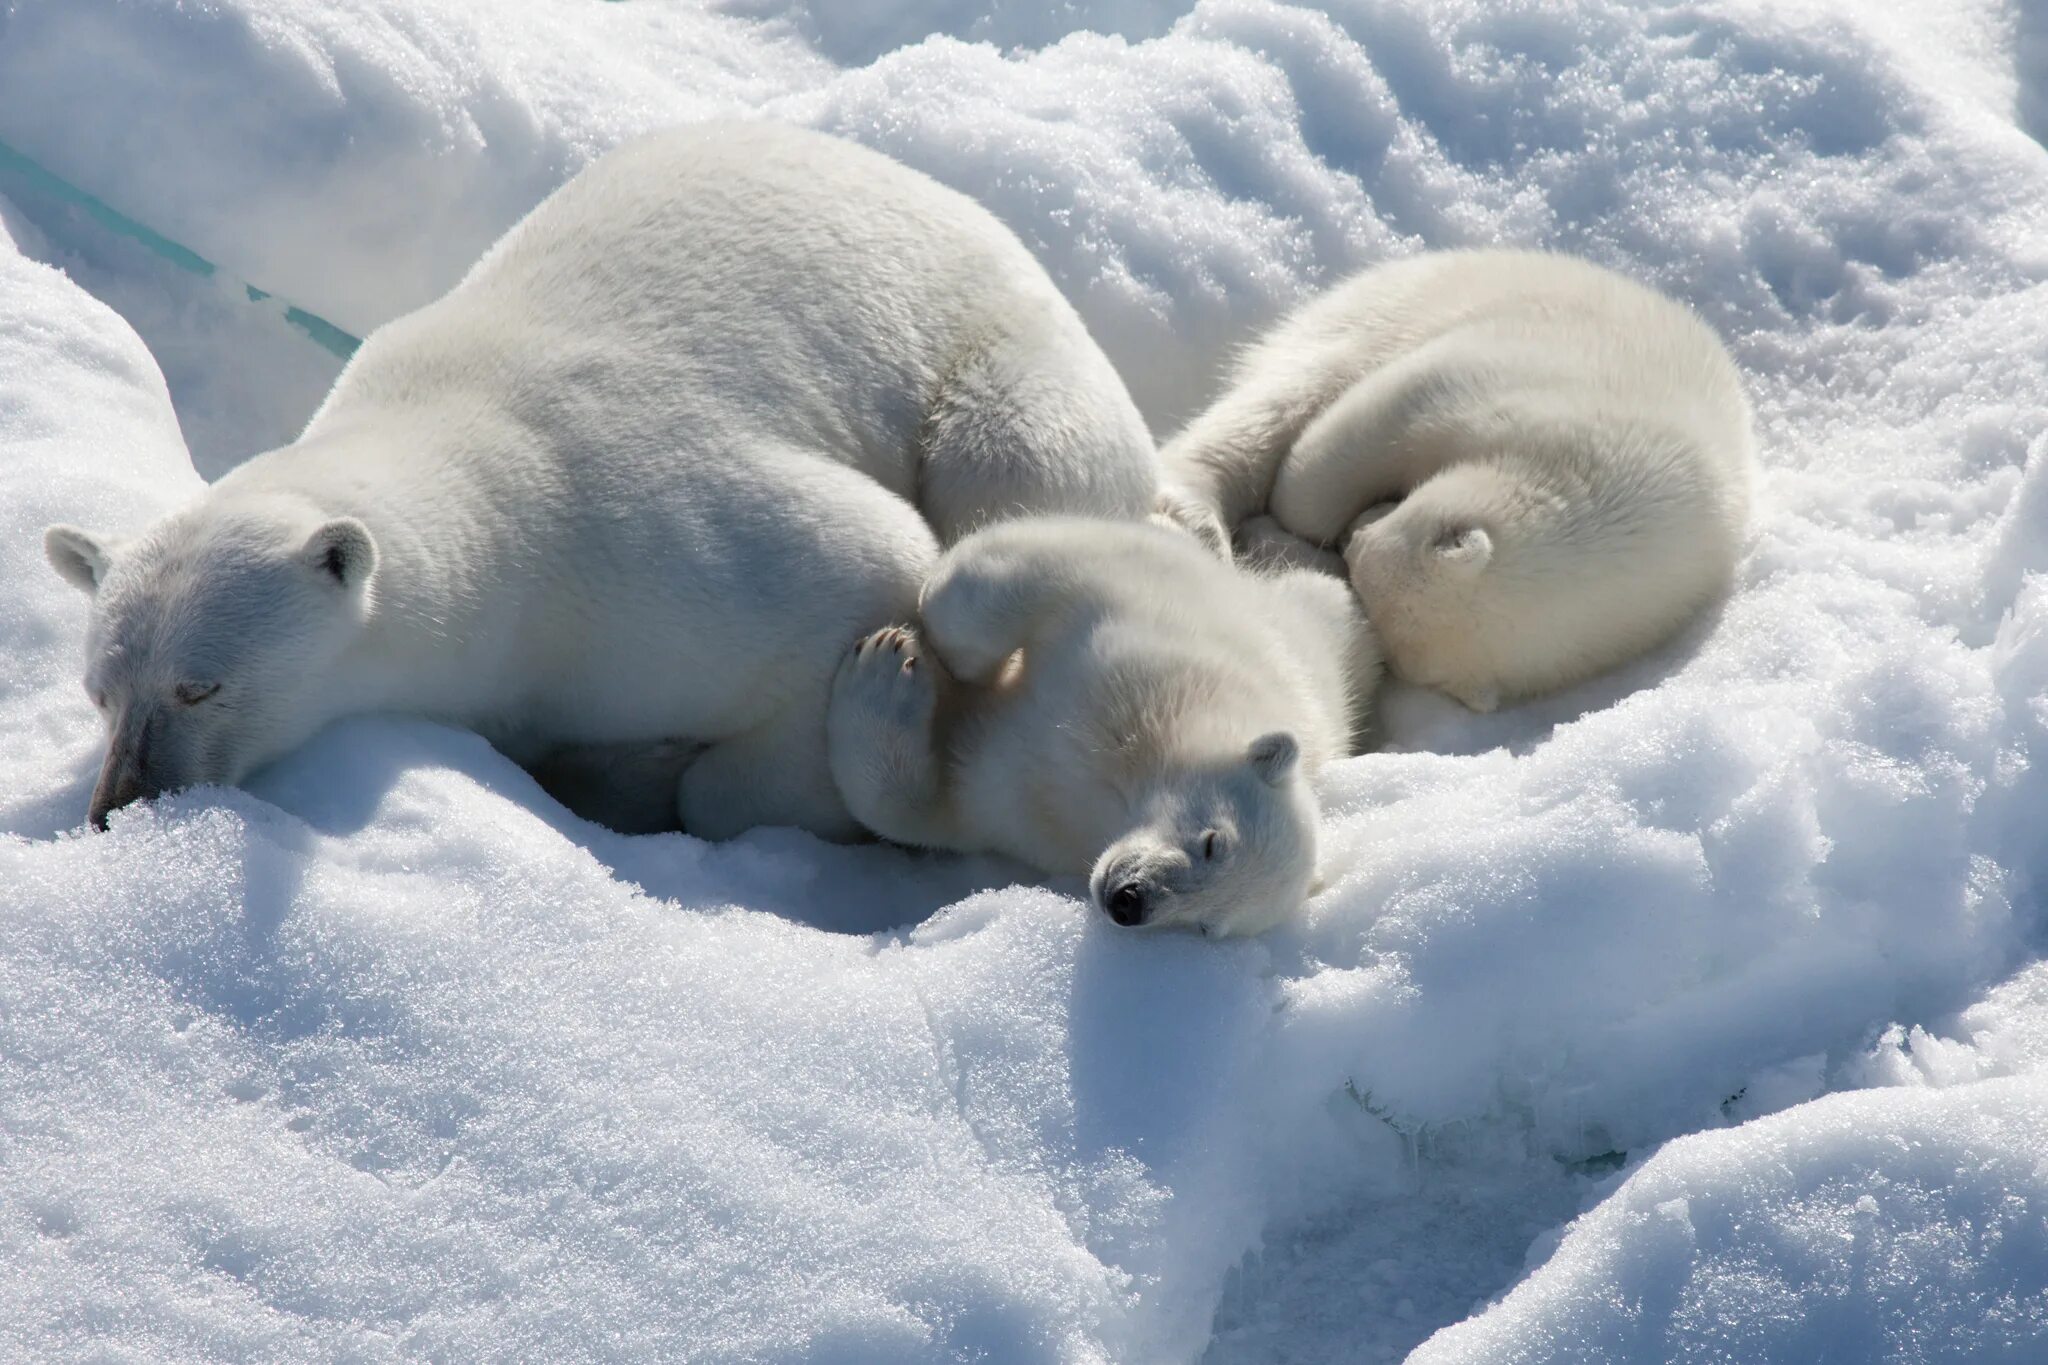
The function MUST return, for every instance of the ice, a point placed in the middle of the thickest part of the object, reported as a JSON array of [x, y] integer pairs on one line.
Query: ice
[[1614, 1010]]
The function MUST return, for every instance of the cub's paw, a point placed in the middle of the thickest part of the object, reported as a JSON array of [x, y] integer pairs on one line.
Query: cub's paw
[[888, 680], [1186, 513]]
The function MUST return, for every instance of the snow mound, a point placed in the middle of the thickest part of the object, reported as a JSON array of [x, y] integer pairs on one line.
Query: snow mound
[[417, 1075], [390, 1056], [1869, 1226]]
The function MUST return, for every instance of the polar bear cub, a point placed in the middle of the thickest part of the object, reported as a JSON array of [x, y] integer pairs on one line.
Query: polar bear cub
[[1111, 700], [710, 410], [1534, 468]]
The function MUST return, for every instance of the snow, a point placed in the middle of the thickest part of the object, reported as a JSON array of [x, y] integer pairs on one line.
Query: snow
[[1701, 1013], [1866, 1226]]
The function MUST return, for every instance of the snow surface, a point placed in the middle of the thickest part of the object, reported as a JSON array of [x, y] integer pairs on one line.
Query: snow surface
[[1865, 1226], [1735, 958]]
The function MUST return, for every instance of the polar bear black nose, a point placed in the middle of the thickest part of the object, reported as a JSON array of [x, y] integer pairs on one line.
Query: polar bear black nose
[[1127, 904]]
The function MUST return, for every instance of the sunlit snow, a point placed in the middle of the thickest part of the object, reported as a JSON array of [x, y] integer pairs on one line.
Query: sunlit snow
[[1734, 957]]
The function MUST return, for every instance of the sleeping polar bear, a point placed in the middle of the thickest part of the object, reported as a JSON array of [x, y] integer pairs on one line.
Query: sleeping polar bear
[[708, 412], [1535, 469], [1111, 701]]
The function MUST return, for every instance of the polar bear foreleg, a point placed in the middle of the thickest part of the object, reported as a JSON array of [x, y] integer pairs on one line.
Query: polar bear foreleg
[[774, 774], [883, 734], [1220, 470]]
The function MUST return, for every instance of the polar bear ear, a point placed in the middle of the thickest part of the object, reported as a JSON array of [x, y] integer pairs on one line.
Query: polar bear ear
[[341, 550], [1273, 757], [1468, 549], [78, 555]]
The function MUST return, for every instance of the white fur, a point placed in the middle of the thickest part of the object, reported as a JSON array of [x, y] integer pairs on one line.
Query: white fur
[[1535, 468], [640, 477], [1161, 696]]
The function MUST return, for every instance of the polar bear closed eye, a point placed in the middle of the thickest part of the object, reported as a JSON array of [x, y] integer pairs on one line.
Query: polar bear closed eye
[[1533, 468], [1111, 701], [709, 411]]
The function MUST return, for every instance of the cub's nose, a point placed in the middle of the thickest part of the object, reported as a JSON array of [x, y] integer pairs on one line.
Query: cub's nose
[[1126, 904]]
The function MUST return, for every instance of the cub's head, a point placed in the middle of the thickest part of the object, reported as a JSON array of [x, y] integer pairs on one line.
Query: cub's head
[[1226, 848], [207, 632]]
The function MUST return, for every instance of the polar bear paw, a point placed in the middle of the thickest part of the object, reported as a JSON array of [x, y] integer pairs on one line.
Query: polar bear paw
[[888, 687], [885, 701]]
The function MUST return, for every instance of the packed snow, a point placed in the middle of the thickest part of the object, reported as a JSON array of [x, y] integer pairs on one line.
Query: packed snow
[[1700, 1013]]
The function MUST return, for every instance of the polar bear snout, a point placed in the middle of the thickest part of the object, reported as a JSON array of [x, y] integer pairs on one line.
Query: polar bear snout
[[1130, 886], [1126, 904], [1117, 890], [127, 775]]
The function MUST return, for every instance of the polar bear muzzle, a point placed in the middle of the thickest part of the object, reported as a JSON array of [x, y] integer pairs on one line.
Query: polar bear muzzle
[[127, 775]]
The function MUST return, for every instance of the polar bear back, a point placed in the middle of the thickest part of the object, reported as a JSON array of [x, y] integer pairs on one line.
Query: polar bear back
[[703, 290]]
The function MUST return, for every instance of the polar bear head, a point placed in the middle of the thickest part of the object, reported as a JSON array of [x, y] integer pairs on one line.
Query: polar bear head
[[1226, 847], [1433, 572], [210, 633]]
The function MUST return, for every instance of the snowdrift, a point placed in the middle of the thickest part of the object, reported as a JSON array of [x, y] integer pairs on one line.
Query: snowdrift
[[389, 1056]]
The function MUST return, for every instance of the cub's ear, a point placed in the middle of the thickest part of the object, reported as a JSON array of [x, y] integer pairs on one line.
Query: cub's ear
[[1468, 549], [343, 551], [78, 555], [1273, 757]]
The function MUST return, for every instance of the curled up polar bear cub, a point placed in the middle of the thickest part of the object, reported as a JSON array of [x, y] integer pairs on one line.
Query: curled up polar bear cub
[[1111, 700], [709, 411], [1533, 468]]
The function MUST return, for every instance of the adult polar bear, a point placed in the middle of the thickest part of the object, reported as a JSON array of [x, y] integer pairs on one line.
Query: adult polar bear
[[640, 476], [1536, 469]]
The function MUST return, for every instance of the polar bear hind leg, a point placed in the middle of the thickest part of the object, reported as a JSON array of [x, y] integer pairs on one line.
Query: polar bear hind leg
[[1033, 421], [1176, 509], [987, 600]]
